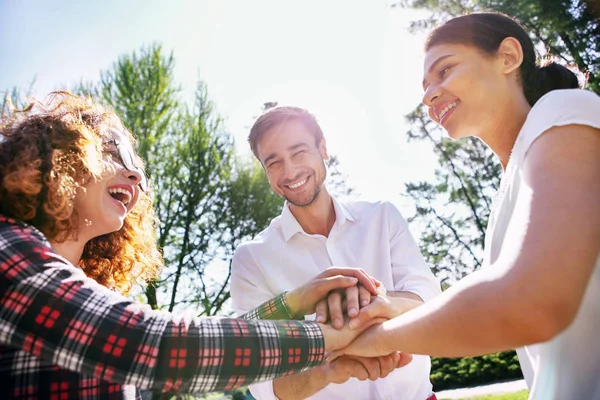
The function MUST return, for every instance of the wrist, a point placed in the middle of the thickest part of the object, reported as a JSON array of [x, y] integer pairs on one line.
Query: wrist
[[400, 305], [292, 300]]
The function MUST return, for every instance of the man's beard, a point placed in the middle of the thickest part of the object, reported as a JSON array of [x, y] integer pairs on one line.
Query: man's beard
[[313, 198]]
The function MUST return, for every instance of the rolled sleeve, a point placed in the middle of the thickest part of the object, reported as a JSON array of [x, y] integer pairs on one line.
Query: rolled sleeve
[[263, 391], [410, 272]]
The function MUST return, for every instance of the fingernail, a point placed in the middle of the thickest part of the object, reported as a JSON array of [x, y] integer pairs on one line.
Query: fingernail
[[352, 312], [352, 325], [321, 319], [364, 303]]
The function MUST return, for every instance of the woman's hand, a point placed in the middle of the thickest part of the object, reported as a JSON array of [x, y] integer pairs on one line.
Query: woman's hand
[[336, 339], [370, 343], [384, 307]]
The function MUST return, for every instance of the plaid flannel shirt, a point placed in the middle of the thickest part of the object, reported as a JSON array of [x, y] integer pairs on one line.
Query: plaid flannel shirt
[[62, 335]]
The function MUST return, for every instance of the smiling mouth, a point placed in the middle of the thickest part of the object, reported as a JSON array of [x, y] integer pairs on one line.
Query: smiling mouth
[[298, 184], [120, 195], [446, 110]]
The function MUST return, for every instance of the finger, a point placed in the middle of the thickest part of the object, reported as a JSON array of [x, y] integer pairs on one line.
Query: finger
[[364, 296], [374, 369], [405, 359], [334, 302], [322, 311], [359, 371], [365, 314], [388, 363], [352, 300], [364, 279]]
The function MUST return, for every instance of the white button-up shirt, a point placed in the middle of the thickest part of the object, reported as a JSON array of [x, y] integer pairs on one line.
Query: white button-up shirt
[[372, 236]]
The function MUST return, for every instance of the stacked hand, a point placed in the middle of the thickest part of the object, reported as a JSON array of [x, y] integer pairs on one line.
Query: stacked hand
[[347, 303]]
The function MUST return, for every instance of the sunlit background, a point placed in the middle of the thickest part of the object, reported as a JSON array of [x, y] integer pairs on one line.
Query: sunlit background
[[352, 63]]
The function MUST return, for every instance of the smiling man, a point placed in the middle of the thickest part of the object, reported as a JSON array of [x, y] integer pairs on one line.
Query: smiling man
[[314, 232]]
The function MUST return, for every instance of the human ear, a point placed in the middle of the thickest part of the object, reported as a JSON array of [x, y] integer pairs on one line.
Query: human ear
[[510, 53], [323, 149]]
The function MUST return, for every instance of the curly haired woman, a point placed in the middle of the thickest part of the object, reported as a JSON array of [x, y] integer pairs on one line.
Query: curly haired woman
[[77, 229]]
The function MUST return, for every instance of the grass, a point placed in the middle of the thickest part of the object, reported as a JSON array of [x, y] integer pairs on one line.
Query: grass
[[520, 395]]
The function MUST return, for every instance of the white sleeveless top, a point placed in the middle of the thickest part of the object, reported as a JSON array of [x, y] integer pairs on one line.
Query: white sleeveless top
[[568, 366]]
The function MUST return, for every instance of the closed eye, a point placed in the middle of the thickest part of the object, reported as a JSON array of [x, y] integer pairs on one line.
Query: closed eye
[[114, 156], [443, 71]]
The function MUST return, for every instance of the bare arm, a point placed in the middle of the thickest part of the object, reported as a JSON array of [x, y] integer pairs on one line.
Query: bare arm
[[534, 289], [308, 383]]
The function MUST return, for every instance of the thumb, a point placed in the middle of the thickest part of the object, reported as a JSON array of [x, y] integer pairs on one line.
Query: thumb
[[405, 359], [365, 315]]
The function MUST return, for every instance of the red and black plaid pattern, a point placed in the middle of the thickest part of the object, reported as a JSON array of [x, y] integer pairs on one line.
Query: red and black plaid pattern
[[62, 335]]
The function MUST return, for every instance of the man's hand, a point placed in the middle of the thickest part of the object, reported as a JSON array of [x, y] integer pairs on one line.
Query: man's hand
[[308, 383], [303, 300], [334, 306], [363, 368]]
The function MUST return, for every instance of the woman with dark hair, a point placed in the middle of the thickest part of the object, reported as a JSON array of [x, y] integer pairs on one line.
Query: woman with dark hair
[[77, 229], [540, 288]]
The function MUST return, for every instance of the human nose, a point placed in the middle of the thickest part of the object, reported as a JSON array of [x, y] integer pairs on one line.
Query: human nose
[[431, 95], [290, 170], [134, 176]]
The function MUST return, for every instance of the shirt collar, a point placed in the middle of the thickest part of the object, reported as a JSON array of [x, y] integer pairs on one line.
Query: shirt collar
[[290, 225]]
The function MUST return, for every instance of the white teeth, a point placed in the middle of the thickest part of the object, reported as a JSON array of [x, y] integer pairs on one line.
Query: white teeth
[[127, 194], [297, 185], [446, 109]]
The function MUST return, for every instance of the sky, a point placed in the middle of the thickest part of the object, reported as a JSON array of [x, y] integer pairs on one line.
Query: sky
[[351, 63]]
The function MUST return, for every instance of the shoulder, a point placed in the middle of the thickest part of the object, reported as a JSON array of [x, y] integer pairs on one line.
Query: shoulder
[[564, 107], [25, 251], [378, 212], [363, 207], [14, 232], [264, 239], [559, 108]]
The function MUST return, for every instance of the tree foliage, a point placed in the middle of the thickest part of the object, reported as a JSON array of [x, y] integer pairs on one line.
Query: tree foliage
[[207, 201], [452, 211], [567, 29]]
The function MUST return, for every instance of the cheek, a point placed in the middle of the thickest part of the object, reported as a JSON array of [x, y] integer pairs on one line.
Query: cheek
[[135, 198], [273, 178], [431, 115]]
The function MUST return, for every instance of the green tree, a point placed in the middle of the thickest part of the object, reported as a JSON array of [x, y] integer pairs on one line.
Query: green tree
[[453, 211], [195, 178], [14, 99], [567, 29]]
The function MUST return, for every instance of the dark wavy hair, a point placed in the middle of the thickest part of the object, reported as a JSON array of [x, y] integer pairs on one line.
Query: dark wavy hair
[[486, 31], [277, 116], [50, 150]]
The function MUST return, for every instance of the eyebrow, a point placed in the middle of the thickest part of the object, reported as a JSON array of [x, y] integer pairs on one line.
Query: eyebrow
[[436, 62], [291, 148]]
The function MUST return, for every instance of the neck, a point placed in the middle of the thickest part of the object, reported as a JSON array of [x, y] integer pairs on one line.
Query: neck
[[502, 139], [317, 218], [70, 249]]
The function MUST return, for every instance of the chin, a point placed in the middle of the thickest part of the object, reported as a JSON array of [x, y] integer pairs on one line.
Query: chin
[[112, 226], [456, 134]]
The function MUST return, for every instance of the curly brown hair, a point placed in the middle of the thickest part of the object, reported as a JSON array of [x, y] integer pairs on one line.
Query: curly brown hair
[[50, 150]]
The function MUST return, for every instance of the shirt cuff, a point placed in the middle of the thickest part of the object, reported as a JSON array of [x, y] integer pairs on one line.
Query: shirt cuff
[[275, 309], [263, 391]]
